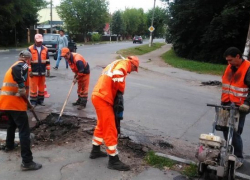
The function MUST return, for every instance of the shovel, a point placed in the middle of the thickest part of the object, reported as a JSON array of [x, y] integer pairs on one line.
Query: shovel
[[32, 111], [65, 102]]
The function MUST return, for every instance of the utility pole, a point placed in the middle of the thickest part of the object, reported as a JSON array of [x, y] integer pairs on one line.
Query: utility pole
[[51, 16], [246, 50], [152, 22]]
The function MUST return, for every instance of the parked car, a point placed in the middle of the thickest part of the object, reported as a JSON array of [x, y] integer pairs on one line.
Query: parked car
[[137, 39], [50, 41]]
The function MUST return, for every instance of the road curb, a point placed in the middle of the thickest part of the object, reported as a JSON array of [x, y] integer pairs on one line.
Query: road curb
[[174, 158], [187, 161], [12, 50]]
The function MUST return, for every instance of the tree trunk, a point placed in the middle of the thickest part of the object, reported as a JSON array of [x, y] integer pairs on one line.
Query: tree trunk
[[246, 50]]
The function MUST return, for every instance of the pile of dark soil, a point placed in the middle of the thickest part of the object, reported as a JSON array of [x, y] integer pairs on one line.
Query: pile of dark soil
[[70, 129]]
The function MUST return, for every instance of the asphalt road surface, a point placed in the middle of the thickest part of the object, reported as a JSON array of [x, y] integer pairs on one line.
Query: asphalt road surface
[[154, 103]]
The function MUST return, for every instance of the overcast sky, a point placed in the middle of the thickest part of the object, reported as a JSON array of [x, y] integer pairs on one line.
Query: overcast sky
[[122, 4]]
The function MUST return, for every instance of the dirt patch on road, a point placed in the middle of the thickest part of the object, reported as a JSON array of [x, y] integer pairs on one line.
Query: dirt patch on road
[[76, 133]]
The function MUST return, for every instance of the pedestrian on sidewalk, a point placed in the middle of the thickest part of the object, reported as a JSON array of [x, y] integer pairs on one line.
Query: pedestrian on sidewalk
[[13, 100], [110, 85], [37, 69], [82, 74], [235, 89], [61, 43]]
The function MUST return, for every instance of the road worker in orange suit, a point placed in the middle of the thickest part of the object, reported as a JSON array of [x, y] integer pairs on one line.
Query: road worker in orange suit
[[37, 70], [110, 83], [13, 100], [82, 74]]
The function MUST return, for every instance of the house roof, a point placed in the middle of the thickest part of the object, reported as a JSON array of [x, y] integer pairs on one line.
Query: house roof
[[44, 15]]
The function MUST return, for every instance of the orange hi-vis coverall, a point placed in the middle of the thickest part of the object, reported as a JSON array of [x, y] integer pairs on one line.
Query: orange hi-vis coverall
[[110, 82], [38, 66], [10, 99], [81, 68], [234, 88]]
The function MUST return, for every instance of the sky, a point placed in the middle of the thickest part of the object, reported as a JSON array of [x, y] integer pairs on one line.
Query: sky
[[122, 4]]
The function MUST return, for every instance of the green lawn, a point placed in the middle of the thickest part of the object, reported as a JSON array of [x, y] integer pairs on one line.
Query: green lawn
[[139, 50], [200, 67]]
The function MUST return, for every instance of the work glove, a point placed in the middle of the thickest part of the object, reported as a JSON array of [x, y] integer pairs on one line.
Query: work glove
[[48, 73], [31, 74], [22, 91], [244, 108]]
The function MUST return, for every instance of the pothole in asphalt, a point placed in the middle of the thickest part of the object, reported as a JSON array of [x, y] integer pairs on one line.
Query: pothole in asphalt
[[73, 129], [165, 145], [211, 83], [100, 66], [51, 77]]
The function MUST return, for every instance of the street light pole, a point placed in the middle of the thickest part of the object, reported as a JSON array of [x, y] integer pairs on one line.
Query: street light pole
[[152, 22], [246, 50], [51, 16]]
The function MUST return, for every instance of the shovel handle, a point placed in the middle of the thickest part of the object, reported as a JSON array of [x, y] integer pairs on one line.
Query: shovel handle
[[65, 102], [32, 110]]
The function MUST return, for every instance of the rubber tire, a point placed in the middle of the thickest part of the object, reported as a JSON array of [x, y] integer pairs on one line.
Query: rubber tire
[[231, 171]]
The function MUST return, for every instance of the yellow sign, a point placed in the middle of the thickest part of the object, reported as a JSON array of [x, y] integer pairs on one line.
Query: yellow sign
[[151, 28]]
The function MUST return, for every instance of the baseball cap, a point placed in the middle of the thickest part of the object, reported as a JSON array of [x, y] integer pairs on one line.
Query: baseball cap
[[64, 51], [25, 54], [39, 38], [135, 61]]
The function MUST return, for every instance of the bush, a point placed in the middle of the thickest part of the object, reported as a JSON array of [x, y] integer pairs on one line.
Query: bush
[[96, 37]]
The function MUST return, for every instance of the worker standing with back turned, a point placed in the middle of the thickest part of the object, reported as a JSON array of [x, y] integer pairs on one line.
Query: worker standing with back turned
[[13, 100], [110, 84]]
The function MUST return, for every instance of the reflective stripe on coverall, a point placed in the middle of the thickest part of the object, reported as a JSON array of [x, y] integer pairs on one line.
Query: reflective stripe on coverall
[[83, 78], [233, 87], [38, 65], [111, 81], [9, 97]]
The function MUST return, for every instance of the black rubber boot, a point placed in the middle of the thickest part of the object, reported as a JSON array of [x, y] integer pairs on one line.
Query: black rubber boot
[[116, 164], [96, 152], [30, 166], [82, 104], [77, 102]]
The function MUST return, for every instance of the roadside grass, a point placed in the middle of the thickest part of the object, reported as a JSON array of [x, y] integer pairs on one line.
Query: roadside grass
[[200, 67], [92, 42], [189, 171], [139, 50], [157, 161]]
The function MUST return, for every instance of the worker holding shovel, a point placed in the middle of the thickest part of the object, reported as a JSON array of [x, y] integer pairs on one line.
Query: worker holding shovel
[[82, 74], [13, 100]]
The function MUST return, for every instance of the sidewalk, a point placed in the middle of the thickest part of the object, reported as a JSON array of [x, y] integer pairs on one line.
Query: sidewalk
[[153, 62]]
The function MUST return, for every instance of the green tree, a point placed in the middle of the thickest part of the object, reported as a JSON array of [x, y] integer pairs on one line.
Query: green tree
[[203, 29], [83, 16], [135, 21], [117, 24], [159, 21], [15, 17]]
